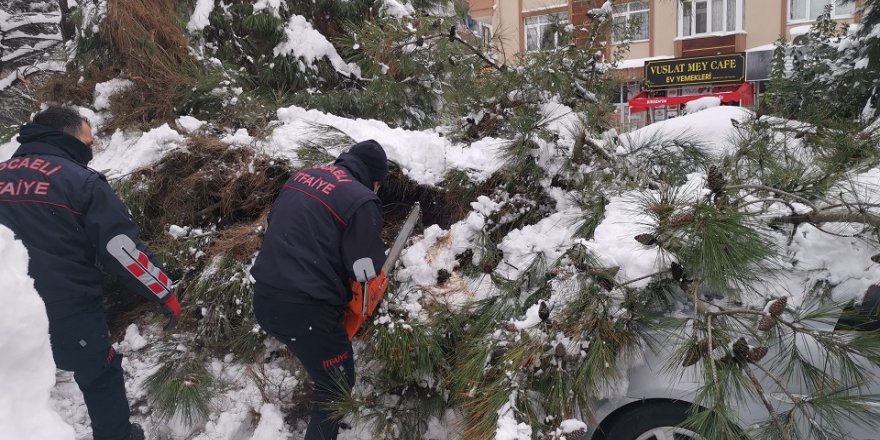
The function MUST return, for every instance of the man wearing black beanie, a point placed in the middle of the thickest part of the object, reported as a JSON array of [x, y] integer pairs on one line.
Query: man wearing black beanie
[[325, 219]]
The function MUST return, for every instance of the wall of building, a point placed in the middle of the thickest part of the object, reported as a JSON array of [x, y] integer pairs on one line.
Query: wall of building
[[506, 28], [537, 5], [763, 21], [481, 8], [664, 18], [639, 50]]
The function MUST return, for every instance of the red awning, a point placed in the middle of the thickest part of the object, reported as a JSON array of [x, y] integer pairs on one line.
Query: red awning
[[743, 94]]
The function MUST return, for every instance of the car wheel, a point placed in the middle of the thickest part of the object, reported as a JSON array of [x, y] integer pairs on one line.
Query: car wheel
[[651, 421]]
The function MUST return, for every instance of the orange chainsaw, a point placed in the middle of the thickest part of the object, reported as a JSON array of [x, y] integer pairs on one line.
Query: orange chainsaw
[[362, 307]]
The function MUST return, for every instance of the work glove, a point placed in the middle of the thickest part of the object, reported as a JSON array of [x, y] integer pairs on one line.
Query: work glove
[[171, 309]]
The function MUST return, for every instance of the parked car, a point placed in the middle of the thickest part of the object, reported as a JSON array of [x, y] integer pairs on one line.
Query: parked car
[[657, 400]]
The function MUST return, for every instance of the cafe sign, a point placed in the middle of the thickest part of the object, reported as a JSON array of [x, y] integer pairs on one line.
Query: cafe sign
[[697, 70]]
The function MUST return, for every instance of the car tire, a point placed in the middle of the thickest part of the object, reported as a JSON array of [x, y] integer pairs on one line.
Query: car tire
[[651, 421]]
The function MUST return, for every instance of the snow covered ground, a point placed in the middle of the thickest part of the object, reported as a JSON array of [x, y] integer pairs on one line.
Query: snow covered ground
[[252, 409]]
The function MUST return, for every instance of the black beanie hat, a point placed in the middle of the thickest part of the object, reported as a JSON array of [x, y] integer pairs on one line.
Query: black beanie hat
[[373, 156]]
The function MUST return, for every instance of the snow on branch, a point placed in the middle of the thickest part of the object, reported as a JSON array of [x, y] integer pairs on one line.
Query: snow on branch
[[9, 22], [601, 13], [26, 50], [306, 42], [23, 72], [23, 35]]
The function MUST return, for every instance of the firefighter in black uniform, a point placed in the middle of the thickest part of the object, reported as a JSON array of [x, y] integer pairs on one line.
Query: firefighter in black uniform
[[69, 218], [325, 219]]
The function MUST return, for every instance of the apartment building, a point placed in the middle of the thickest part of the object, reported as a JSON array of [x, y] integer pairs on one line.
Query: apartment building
[[678, 51]]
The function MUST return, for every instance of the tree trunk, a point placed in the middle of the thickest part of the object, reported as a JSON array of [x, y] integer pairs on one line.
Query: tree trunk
[[68, 30]]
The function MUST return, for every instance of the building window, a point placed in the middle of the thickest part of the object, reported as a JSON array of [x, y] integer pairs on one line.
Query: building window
[[808, 10], [710, 17], [627, 91], [628, 14], [546, 32]]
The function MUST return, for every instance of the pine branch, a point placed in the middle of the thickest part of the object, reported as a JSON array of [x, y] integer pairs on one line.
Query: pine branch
[[774, 416], [777, 191], [825, 216], [711, 342], [628, 282], [778, 383], [480, 54], [584, 140], [735, 312]]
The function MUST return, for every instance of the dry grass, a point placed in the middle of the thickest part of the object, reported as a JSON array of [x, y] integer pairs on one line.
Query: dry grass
[[210, 183], [68, 88], [146, 40], [242, 241]]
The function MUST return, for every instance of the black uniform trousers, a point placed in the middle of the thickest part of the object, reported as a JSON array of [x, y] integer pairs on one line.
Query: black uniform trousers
[[315, 334], [81, 344]]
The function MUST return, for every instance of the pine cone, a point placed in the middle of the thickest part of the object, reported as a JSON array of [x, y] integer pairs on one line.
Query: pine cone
[[778, 306], [696, 352], [443, 276], [543, 311], [766, 323], [560, 350], [646, 239], [757, 353], [681, 219], [876, 258], [511, 327], [741, 350], [716, 181]]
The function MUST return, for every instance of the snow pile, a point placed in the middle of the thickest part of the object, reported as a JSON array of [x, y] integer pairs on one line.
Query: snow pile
[[133, 338], [614, 244], [189, 124], [845, 263], [199, 19], [398, 8], [26, 366], [568, 427], [240, 137], [560, 118], [105, 90], [8, 149], [273, 6], [572, 425], [271, 425], [702, 104], [305, 42], [436, 250], [424, 156], [508, 428], [124, 154], [96, 120], [713, 129], [843, 260], [546, 240]]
